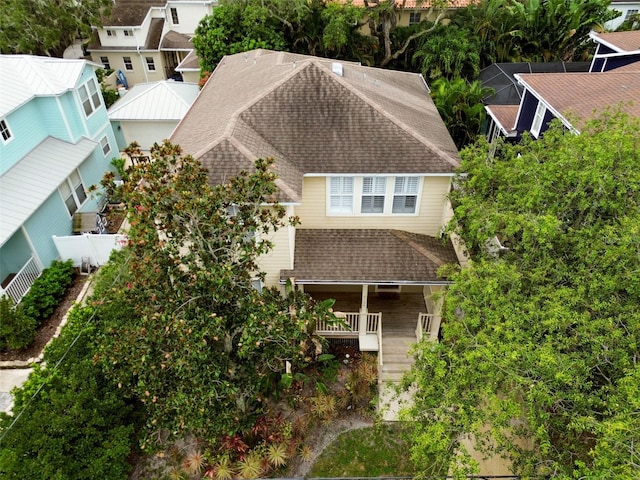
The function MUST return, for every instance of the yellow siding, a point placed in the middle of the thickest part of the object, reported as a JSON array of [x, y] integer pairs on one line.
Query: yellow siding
[[279, 258], [428, 221]]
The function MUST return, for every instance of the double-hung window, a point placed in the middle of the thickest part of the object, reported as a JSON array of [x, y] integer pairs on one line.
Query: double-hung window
[[128, 32], [373, 190], [405, 195], [4, 131], [151, 64], [105, 63], [128, 64], [89, 97], [73, 192], [104, 143], [341, 195], [414, 18]]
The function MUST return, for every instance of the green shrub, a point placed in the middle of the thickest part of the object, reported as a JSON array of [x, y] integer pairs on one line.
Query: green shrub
[[78, 425], [47, 291], [17, 330]]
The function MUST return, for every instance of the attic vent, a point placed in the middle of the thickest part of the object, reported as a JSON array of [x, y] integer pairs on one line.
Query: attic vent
[[336, 68]]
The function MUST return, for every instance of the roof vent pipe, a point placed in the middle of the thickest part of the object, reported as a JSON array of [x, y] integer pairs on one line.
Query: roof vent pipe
[[336, 68]]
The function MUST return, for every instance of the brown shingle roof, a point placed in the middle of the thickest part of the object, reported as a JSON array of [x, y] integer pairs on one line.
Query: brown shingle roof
[[191, 61], [314, 121], [176, 41], [582, 96], [505, 115], [130, 13], [152, 41], [621, 41], [368, 256]]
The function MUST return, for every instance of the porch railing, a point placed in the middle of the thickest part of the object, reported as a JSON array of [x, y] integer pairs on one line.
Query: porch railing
[[20, 284], [351, 326], [426, 326]]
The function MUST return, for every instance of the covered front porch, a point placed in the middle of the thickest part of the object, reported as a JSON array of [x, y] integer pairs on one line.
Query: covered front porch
[[383, 281], [371, 313]]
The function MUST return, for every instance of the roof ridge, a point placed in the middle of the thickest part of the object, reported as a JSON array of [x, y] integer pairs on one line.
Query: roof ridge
[[376, 106]]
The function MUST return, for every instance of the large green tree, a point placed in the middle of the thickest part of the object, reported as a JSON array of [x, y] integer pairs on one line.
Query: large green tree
[[539, 353], [47, 27], [326, 29], [187, 334], [534, 30]]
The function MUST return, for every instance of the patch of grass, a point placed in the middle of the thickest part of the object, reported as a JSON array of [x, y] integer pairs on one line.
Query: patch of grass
[[367, 452]]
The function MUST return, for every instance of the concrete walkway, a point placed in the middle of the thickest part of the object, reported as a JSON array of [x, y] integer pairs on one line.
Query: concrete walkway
[[10, 378]]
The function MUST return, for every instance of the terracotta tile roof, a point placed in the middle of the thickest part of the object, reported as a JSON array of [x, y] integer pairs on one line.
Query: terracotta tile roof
[[582, 96], [293, 107], [620, 41], [176, 41], [152, 41], [414, 4], [505, 115], [368, 256], [130, 13]]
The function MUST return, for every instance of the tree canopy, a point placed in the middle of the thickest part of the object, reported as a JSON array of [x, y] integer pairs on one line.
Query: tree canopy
[[540, 341], [187, 334], [49, 27]]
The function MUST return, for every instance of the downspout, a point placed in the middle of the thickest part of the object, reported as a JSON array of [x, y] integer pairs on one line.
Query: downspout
[[142, 62]]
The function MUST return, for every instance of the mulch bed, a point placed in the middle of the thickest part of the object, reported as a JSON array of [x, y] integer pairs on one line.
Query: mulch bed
[[49, 326]]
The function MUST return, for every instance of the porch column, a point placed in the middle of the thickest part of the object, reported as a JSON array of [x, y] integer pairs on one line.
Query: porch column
[[363, 310], [437, 310]]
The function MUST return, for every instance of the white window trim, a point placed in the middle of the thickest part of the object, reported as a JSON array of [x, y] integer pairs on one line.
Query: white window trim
[[341, 211], [153, 62], [111, 32], [358, 184], [106, 65], [94, 99], [538, 119], [8, 128], [74, 195], [173, 10], [128, 32], [631, 11], [407, 192], [106, 143], [414, 14], [124, 63]]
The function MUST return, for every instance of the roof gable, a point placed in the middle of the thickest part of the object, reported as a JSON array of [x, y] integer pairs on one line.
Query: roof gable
[[23, 77], [578, 97], [155, 101], [619, 41]]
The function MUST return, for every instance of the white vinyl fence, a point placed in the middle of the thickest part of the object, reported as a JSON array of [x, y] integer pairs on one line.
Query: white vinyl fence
[[95, 247]]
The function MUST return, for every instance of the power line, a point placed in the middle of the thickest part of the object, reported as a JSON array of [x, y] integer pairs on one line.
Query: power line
[[64, 355]]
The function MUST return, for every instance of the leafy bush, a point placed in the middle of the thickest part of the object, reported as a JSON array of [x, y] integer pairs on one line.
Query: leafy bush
[[47, 291], [78, 426], [17, 330]]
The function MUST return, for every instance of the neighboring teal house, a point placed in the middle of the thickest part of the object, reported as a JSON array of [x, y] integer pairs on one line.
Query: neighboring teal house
[[55, 142]]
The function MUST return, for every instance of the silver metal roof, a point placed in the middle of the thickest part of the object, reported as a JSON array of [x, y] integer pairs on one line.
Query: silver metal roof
[[26, 185]]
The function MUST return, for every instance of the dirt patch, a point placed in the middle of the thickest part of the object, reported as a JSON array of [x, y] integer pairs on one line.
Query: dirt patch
[[114, 217], [49, 326]]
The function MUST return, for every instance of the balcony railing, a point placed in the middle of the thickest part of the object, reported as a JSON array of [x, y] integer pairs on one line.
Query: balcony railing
[[22, 281]]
